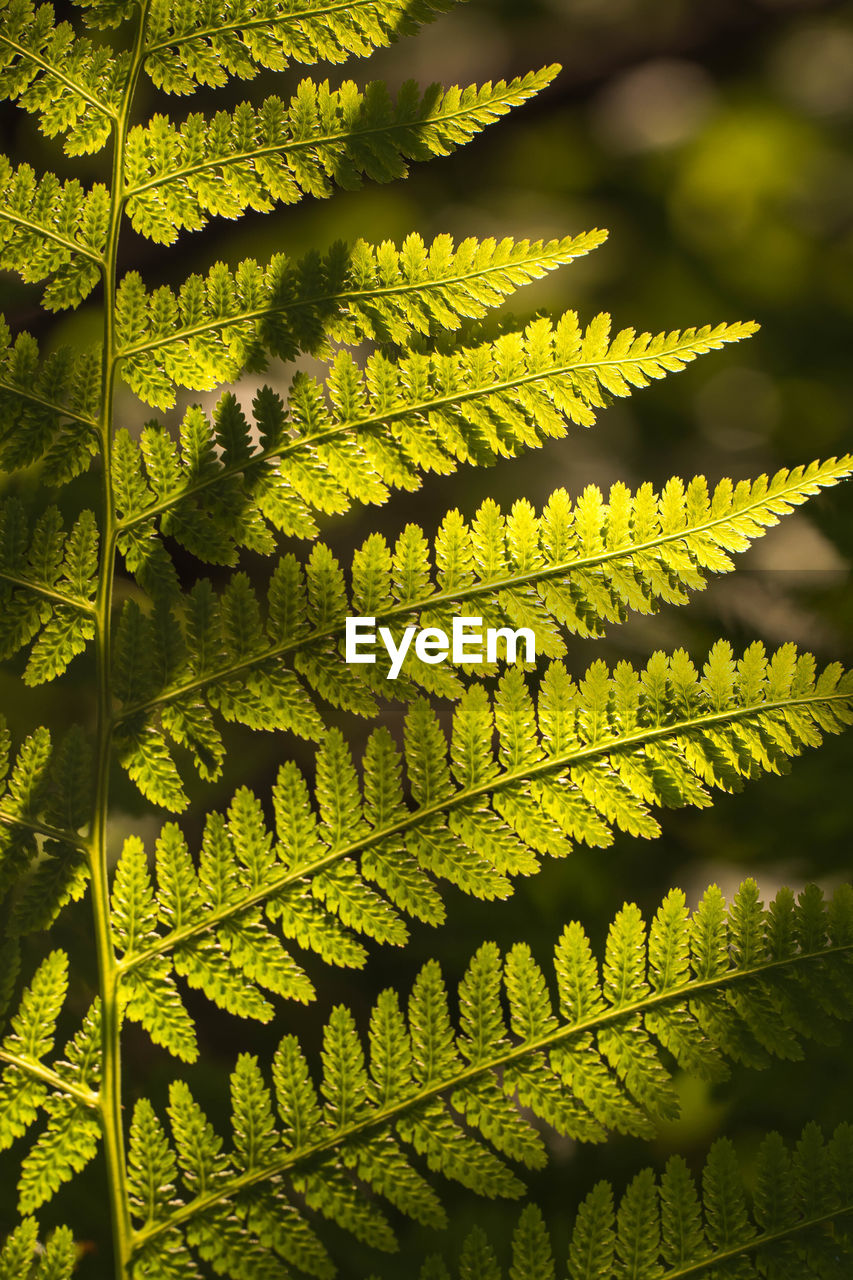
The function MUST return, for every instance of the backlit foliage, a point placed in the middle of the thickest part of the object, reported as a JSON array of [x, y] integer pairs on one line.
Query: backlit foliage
[[497, 767]]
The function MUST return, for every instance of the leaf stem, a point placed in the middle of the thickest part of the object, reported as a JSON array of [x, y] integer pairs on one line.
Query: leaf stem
[[45, 829], [49, 593], [29, 55], [53, 406], [63, 241], [40, 1072], [112, 1119]]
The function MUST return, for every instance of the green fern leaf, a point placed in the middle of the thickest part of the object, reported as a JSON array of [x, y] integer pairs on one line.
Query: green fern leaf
[[231, 658], [23, 1257], [593, 1244], [47, 582], [186, 48], [31, 1037], [152, 1166], [686, 1235], [74, 86], [34, 801], [256, 158], [449, 1085], [247, 956], [50, 230], [584, 770], [388, 436], [215, 327], [67, 1092], [73, 1132], [47, 408], [422, 1070]]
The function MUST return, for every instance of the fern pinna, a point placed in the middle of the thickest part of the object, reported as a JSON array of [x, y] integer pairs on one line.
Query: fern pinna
[[497, 769]]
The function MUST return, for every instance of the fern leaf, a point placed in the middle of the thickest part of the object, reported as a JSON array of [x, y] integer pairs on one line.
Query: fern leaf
[[52, 230], [247, 957], [47, 584], [471, 828], [32, 1026], [532, 1258], [152, 1166], [59, 877], [48, 408], [215, 327], [34, 801], [460, 1083], [187, 47], [24, 1257], [554, 573], [74, 86], [384, 428], [272, 691], [477, 1070], [73, 1132], [663, 1229], [66, 1092], [276, 153]]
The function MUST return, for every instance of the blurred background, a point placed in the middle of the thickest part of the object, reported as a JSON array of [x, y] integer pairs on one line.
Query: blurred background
[[714, 143]]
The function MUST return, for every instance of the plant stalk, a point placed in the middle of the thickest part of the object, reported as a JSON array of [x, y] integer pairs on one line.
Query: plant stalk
[[112, 1120]]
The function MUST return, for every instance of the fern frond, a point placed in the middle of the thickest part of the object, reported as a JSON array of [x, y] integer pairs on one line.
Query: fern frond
[[189, 45], [23, 1257], [667, 1229], [362, 434], [62, 806], [52, 230], [66, 1091], [252, 688], [217, 327], [74, 86], [603, 753], [575, 568], [43, 804], [589, 1064], [72, 1135], [48, 408], [10, 964], [256, 158], [47, 586], [245, 957]]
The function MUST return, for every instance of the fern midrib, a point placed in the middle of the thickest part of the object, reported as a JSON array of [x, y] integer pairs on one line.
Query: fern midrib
[[30, 56], [50, 593], [71, 245], [58, 1083], [345, 295], [53, 406], [472, 1072], [321, 140], [44, 829], [390, 415], [540, 768], [111, 1102], [472, 592], [285, 19], [755, 1242]]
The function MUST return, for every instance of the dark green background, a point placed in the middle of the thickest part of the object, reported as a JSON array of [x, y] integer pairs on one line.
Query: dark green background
[[714, 142]]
